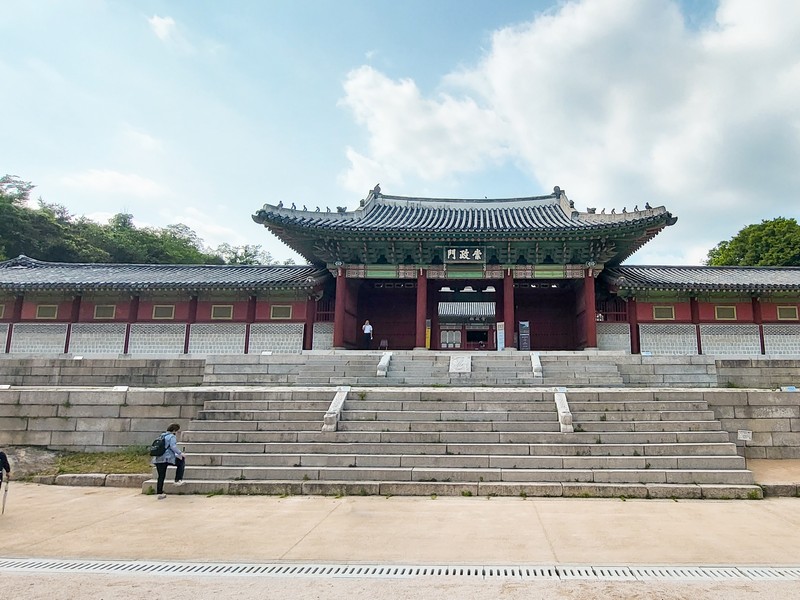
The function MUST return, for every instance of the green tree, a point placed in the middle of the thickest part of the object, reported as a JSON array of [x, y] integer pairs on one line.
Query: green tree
[[244, 255], [50, 232], [774, 243], [24, 229]]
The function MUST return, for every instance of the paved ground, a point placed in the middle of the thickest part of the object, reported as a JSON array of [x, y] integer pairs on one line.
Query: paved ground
[[108, 523]]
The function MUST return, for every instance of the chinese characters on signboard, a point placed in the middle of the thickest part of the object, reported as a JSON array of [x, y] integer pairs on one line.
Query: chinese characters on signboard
[[464, 254]]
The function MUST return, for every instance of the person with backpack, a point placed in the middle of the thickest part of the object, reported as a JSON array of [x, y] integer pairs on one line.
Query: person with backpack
[[171, 456]]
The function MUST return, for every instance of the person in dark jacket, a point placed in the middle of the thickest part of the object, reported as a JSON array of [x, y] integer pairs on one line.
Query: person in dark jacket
[[172, 456], [5, 467]]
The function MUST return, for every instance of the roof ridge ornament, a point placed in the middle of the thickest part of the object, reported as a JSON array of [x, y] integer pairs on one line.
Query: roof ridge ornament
[[21, 262], [374, 192]]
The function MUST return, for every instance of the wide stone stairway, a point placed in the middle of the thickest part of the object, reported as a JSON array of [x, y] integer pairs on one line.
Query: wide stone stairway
[[634, 443], [361, 368]]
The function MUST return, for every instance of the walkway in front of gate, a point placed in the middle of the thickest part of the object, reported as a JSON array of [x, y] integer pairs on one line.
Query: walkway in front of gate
[[100, 524], [113, 523]]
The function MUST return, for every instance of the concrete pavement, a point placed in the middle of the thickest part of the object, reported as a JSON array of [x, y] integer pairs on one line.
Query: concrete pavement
[[61, 522], [118, 523]]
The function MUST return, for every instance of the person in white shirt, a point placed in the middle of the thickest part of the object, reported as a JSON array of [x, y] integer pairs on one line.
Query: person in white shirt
[[367, 329]]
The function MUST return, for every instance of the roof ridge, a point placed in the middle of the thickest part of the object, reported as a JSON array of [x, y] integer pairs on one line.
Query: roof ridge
[[483, 200]]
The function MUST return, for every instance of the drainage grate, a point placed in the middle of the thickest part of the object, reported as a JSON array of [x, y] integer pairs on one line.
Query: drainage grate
[[561, 572]]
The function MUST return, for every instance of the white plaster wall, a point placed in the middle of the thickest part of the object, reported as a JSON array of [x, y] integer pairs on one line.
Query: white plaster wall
[[614, 336], [216, 338], [323, 336], [97, 338], [281, 338], [783, 339], [38, 338], [731, 340], [157, 338], [674, 338]]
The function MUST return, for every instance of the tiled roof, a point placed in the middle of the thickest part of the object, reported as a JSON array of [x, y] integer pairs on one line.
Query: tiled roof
[[745, 279], [466, 309], [497, 217], [26, 274]]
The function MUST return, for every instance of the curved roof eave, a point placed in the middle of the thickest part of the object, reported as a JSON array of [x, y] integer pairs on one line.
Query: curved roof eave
[[704, 278], [25, 274], [479, 225]]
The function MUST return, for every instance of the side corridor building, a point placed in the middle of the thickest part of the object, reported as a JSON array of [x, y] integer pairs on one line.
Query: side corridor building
[[446, 274]]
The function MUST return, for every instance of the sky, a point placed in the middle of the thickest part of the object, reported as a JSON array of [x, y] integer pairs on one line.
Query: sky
[[199, 112]]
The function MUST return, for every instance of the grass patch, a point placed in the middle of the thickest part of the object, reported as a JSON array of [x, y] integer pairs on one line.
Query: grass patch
[[131, 460]]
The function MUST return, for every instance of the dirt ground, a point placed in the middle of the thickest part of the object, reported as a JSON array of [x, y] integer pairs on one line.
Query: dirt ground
[[28, 460]]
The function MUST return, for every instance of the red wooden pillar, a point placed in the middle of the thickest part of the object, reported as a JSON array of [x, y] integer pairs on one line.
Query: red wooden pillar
[[308, 329], [75, 314], [758, 320], [422, 307], [16, 317], [633, 322], [251, 317], [590, 312], [133, 317], [192, 318], [338, 309], [508, 308], [694, 308]]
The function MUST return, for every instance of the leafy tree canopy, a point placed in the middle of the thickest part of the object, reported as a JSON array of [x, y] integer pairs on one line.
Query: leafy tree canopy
[[774, 243], [50, 232]]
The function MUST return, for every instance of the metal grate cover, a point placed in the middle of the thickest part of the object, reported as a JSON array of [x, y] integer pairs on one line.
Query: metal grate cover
[[550, 572]]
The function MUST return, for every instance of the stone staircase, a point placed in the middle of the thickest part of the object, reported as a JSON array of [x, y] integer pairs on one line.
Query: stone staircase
[[360, 368], [488, 369], [462, 441], [573, 369], [293, 369]]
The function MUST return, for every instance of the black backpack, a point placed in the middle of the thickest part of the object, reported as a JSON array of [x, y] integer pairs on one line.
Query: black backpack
[[159, 446]]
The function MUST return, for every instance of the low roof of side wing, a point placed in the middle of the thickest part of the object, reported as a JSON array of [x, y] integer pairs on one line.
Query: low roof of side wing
[[24, 274], [628, 280]]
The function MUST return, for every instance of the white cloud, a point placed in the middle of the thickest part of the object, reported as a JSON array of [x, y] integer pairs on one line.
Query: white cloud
[[101, 217], [168, 31], [115, 184], [618, 102], [163, 27], [432, 139], [142, 140], [207, 226]]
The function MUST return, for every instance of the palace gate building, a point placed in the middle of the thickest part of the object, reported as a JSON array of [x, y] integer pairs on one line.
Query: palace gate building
[[444, 274]]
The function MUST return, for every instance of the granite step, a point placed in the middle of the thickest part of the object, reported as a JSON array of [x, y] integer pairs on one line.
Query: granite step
[[398, 443], [266, 405], [666, 463], [486, 489], [448, 415], [465, 474], [262, 433]]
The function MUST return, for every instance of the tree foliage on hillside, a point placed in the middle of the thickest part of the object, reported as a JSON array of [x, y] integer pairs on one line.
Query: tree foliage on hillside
[[774, 243], [51, 233]]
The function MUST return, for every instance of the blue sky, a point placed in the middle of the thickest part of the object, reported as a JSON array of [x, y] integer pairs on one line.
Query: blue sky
[[199, 112]]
